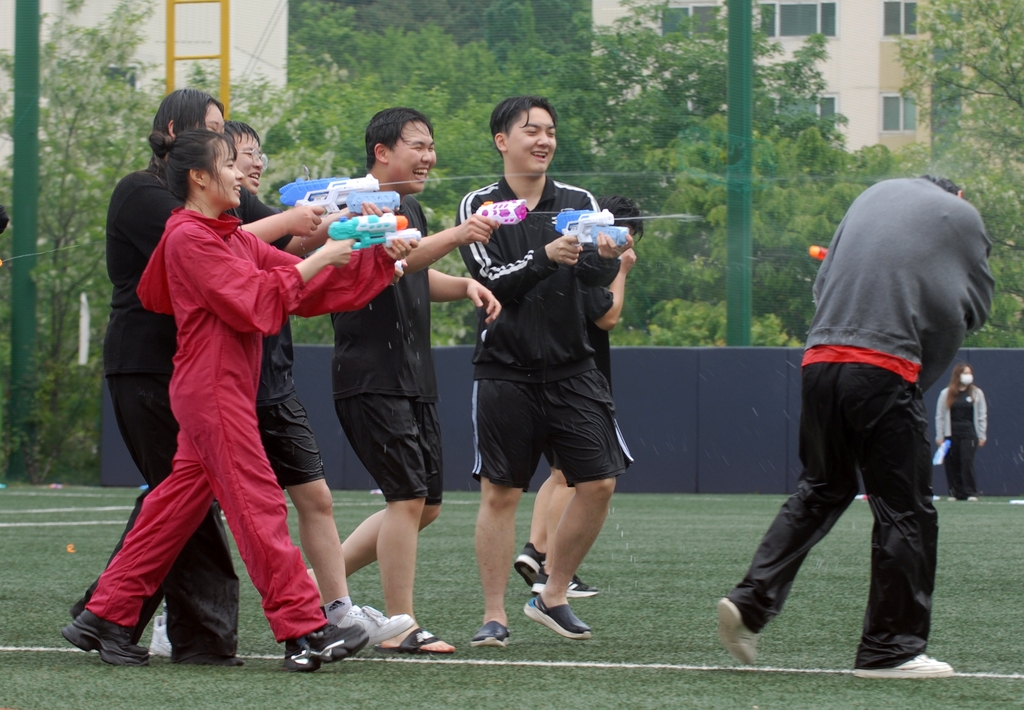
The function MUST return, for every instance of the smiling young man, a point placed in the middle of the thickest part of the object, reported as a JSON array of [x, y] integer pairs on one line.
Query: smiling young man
[[384, 385], [537, 384]]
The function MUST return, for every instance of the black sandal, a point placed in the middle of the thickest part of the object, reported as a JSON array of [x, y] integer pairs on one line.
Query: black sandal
[[413, 644]]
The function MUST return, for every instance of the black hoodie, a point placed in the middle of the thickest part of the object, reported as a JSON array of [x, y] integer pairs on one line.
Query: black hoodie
[[541, 334]]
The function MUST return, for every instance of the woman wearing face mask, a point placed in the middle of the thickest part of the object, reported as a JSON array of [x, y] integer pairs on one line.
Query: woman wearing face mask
[[961, 416]]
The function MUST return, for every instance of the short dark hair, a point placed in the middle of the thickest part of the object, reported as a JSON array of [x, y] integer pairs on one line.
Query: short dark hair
[[236, 130], [945, 183], [186, 108], [626, 213], [386, 128], [191, 150], [506, 113]]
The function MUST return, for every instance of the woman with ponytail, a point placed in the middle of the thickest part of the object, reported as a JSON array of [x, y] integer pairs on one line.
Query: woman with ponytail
[[961, 417], [226, 289], [201, 589]]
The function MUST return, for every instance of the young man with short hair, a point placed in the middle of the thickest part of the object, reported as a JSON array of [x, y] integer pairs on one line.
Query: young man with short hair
[[385, 391], [537, 384]]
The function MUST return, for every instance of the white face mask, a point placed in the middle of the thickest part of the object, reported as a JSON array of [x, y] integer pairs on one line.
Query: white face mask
[[966, 378]]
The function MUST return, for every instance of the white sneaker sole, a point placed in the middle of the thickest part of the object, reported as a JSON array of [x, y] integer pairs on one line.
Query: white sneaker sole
[[733, 634], [909, 671], [398, 624]]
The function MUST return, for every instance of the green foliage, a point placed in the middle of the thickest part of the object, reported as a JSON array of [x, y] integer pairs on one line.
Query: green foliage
[[966, 66], [90, 137]]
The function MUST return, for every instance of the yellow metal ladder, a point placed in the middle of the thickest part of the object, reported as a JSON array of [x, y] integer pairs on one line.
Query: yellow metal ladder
[[225, 47]]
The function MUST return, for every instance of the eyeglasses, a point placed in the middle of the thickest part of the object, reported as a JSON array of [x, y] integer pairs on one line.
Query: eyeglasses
[[258, 156]]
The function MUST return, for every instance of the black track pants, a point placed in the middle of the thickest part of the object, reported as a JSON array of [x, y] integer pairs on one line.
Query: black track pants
[[858, 417]]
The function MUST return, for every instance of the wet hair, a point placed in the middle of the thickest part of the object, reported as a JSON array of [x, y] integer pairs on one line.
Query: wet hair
[[236, 130], [625, 212], [508, 111], [386, 128], [191, 150], [186, 108], [954, 383], [945, 183]]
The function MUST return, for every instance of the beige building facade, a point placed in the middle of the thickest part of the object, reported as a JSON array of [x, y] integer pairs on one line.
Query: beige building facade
[[863, 73]]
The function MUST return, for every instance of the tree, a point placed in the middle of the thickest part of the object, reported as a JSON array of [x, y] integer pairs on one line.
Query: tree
[[90, 136], [965, 65]]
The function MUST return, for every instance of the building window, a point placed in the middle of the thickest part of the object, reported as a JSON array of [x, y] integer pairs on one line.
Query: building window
[[698, 19], [899, 113], [900, 18], [789, 19], [827, 107]]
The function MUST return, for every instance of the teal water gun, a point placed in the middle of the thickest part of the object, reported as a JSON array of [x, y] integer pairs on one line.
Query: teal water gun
[[368, 230]]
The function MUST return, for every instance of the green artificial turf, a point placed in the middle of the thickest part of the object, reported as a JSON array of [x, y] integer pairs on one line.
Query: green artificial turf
[[661, 563]]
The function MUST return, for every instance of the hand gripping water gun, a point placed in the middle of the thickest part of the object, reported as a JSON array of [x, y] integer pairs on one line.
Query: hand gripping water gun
[[817, 252], [334, 193], [507, 212], [370, 229], [585, 225]]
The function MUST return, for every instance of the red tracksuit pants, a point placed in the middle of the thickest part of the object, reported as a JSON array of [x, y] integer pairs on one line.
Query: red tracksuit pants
[[226, 462]]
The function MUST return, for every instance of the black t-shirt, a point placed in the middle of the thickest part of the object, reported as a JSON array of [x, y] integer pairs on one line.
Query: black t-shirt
[[961, 416], [136, 340], [276, 382], [385, 347], [596, 302]]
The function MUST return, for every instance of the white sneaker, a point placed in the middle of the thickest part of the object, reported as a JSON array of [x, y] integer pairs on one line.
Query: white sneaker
[[160, 645], [738, 640], [973, 499], [920, 667], [377, 626], [951, 499]]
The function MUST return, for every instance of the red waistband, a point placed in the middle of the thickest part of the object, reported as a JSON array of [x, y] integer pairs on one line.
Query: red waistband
[[845, 353]]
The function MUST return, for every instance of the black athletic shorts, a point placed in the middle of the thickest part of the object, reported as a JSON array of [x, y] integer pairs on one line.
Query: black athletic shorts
[[289, 443], [514, 422], [398, 440]]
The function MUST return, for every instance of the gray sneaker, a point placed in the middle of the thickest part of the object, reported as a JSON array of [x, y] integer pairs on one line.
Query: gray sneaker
[[377, 626], [738, 640]]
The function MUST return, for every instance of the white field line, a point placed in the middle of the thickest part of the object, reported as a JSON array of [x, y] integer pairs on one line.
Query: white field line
[[560, 664], [39, 511]]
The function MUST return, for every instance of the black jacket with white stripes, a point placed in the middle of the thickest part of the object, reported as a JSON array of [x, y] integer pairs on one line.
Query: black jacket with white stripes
[[541, 334]]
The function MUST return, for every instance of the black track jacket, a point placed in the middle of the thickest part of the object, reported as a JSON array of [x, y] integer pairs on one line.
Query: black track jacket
[[541, 334]]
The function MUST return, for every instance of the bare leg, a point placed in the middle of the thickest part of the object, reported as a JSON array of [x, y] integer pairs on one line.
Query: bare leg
[[397, 541], [559, 498], [539, 521], [495, 545], [318, 535], [361, 545], [579, 527]]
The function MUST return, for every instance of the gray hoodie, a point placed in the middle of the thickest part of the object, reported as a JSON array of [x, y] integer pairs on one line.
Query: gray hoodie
[[906, 274]]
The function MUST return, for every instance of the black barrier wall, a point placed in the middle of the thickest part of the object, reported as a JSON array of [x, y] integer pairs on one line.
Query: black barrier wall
[[697, 420]]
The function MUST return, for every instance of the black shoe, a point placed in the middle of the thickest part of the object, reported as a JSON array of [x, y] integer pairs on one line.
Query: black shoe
[[91, 633], [492, 633], [559, 619], [326, 644], [529, 563], [578, 589]]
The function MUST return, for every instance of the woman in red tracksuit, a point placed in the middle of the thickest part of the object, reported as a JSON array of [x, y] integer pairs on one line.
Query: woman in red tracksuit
[[226, 290]]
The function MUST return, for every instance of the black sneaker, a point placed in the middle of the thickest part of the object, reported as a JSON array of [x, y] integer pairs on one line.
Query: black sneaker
[[492, 633], [577, 588], [326, 644], [559, 619], [529, 563], [91, 633]]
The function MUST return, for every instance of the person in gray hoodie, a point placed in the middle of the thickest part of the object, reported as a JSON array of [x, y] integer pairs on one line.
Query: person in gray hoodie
[[905, 279]]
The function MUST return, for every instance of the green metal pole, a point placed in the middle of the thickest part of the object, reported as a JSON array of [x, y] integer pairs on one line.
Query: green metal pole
[[24, 214], [739, 201]]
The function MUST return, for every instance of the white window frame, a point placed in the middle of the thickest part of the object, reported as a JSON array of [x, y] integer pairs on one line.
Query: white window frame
[[689, 7], [903, 19], [835, 103], [903, 114], [778, 16]]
